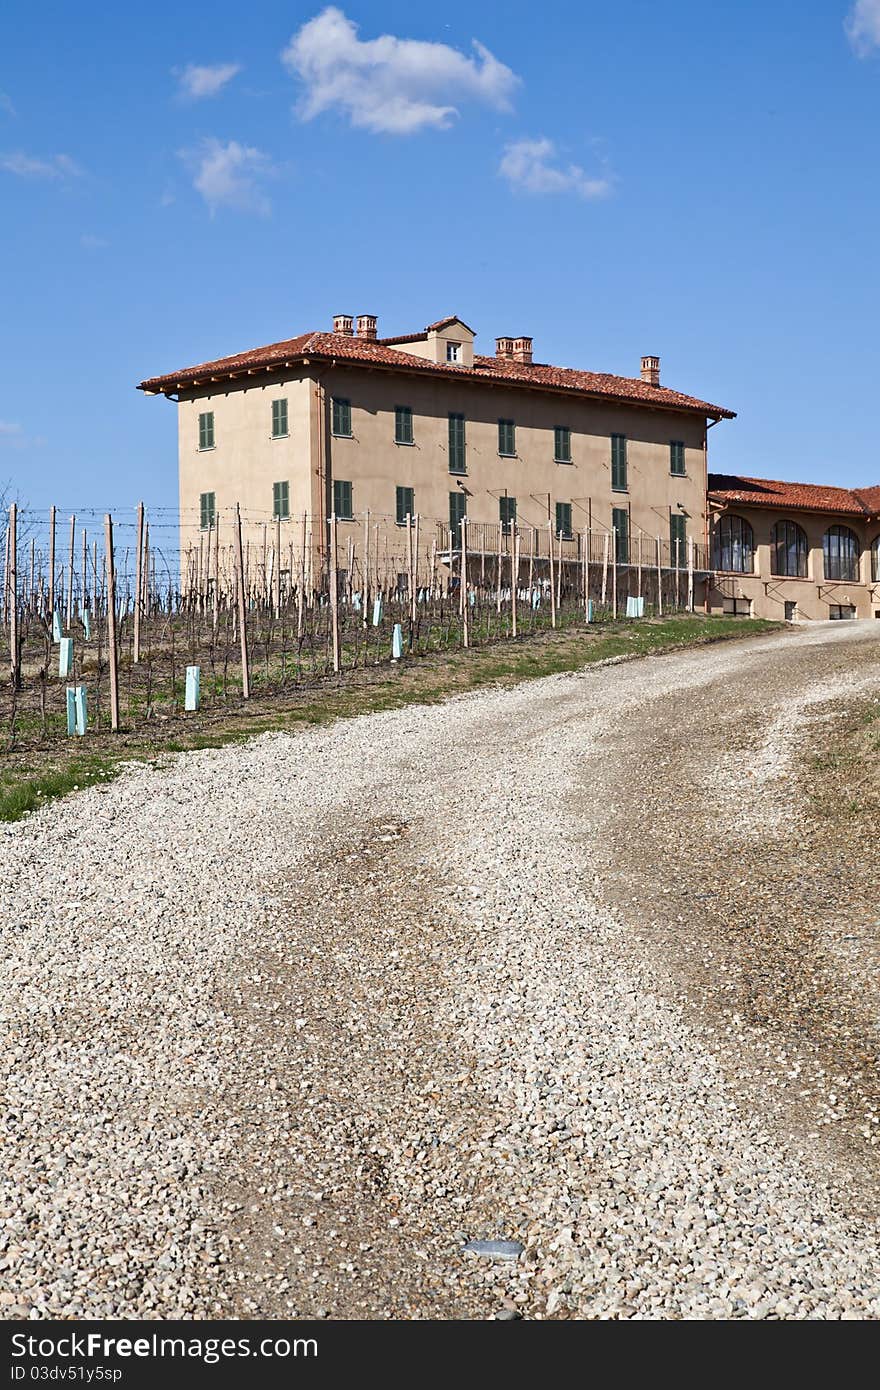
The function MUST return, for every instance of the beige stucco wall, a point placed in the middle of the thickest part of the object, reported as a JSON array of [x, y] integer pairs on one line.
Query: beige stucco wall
[[814, 595], [246, 460], [375, 465], [433, 346]]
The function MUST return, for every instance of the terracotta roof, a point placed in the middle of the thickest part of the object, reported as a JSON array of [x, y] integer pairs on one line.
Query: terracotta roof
[[376, 353], [444, 323], [803, 497], [406, 338]]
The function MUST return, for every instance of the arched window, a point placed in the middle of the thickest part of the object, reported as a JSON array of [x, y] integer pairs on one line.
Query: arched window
[[875, 559], [788, 550], [841, 550], [735, 545]]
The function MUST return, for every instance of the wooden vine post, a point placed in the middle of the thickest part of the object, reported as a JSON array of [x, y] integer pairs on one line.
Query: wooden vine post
[[51, 590], [552, 575], [242, 607], [138, 585], [111, 624], [68, 615], [514, 579], [334, 592], [465, 606], [12, 595]]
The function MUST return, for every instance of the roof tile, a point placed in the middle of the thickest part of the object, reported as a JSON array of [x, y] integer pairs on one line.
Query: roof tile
[[376, 353], [807, 497]]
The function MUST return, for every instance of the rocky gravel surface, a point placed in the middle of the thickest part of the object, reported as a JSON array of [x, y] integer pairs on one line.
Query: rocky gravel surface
[[286, 1026]]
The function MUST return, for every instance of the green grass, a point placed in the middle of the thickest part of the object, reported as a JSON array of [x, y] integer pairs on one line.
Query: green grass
[[19, 795], [65, 767]]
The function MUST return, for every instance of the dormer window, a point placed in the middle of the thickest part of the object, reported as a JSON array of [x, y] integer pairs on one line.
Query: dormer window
[[453, 352]]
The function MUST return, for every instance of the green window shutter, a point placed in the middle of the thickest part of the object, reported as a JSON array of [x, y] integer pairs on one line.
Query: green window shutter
[[405, 504], [281, 500], [457, 505], [207, 510], [457, 456], [342, 500], [507, 513], [562, 444], [507, 438], [618, 462], [279, 419], [206, 430], [677, 540], [403, 424], [341, 416], [563, 519], [676, 457], [620, 522]]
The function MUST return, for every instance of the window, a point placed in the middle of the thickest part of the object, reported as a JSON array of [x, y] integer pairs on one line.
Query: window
[[735, 545], [405, 504], [341, 417], [790, 610], [841, 611], [676, 458], [342, 501], [453, 352], [875, 559], [788, 550], [281, 500], [507, 514], [207, 510], [507, 438], [206, 430], [620, 523], [279, 419], [563, 520], [403, 430], [841, 550], [457, 509], [618, 462], [737, 607], [562, 444], [677, 541], [456, 444]]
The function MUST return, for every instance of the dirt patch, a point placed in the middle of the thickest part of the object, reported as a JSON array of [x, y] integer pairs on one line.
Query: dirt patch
[[353, 1197], [738, 848]]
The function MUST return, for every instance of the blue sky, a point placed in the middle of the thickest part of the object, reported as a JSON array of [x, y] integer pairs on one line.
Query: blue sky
[[697, 181]]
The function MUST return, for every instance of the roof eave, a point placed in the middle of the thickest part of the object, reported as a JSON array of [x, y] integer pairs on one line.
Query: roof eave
[[420, 367]]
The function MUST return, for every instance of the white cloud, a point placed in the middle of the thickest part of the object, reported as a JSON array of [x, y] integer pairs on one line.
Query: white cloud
[[392, 85], [862, 26], [12, 436], [57, 166], [89, 242], [197, 80], [229, 175], [6, 104], [530, 166]]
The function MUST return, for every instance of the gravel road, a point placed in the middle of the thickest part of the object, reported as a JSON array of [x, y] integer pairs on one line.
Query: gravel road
[[284, 1025]]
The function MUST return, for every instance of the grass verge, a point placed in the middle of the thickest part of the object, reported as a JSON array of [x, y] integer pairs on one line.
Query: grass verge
[[30, 780]]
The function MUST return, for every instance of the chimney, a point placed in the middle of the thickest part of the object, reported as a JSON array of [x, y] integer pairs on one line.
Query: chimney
[[651, 370], [366, 325], [522, 349], [504, 347], [342, 323]]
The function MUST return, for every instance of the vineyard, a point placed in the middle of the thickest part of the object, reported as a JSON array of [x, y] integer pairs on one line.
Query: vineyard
[[111, 622]]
